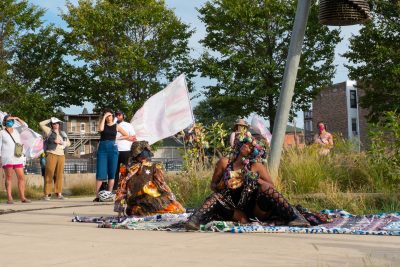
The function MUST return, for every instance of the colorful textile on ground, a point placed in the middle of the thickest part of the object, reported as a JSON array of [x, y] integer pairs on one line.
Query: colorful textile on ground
[[342, 223]]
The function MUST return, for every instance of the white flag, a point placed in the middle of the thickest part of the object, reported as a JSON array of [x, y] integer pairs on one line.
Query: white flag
[[165, 113], [258, 126]]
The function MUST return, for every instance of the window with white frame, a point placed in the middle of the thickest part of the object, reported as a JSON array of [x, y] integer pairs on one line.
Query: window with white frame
[[73, 126], [82, 127], [82, 149], [93, 126], [353, 99]]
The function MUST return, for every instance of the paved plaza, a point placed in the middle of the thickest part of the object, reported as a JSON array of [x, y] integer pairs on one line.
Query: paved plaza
[[42, 234]]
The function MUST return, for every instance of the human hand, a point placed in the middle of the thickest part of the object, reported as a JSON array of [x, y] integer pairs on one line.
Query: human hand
[[58, 142], [107, 114], [132, 138]]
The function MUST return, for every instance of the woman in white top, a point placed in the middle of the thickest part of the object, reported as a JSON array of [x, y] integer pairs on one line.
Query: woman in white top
[[8, 138]]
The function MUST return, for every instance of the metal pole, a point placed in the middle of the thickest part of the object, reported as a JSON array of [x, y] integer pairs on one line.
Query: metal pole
[[289, 80]]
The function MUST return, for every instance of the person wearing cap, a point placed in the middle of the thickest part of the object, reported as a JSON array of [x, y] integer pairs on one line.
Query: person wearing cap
[[10, 160], [239, 129], [142, 188], [107, 152], [55, 143], [124, 145]]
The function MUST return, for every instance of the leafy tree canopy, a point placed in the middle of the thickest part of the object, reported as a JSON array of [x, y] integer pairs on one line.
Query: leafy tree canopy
[[21, 93], [375, 54], [127, 49], [248, 41]]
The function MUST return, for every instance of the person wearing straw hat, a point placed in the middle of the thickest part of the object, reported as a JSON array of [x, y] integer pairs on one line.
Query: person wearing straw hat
[[239, 129]]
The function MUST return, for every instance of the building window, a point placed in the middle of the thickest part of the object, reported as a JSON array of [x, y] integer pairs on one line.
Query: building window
[[93, 126], [82, 149], [73, 126], [353, 99], [82, 127], [354, 126]]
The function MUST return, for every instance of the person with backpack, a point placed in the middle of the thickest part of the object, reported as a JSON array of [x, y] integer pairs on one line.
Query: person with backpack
[[12, 158], [55, 143]]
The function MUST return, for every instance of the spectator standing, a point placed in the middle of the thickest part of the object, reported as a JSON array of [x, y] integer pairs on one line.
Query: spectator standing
[[124, 145], [55, 144], [12, 156], [107, 153], [323, 139]]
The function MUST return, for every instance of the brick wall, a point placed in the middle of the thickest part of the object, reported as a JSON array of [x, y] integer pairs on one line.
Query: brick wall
[[330, 106]]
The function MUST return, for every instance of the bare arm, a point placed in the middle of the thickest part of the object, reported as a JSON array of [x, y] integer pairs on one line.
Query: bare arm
[[218, 172], [43, 125], [125, 135], [330, 140], [103, 121], [264, 179], [232, 139]]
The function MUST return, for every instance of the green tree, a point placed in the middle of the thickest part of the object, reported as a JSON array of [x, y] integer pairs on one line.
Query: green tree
[[128, 49], [214, 109], [375, 54], [20, 23], [248, 42]]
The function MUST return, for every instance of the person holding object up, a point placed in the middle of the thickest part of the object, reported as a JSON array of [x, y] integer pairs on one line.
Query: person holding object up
[[12, 158], [107, 153], [54, 145]]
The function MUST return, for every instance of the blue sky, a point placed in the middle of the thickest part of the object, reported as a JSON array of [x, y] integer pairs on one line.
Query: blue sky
[[186, 10]]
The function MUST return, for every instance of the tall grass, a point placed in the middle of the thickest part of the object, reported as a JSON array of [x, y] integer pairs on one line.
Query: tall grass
[[305, 171]]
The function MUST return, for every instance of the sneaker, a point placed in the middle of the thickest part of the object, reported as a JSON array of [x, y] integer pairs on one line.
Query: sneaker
[[61, 197], [46, 198]]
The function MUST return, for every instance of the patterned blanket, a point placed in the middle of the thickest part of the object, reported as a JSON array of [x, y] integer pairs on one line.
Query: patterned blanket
[[342, 223]]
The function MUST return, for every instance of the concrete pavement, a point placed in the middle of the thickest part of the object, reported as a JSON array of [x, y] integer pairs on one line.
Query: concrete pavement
[[42, 234]]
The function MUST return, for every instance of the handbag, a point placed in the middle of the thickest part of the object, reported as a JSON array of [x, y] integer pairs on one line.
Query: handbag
[[19, 148]]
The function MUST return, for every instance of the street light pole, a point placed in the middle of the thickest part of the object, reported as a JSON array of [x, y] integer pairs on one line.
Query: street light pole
[[289, 80]]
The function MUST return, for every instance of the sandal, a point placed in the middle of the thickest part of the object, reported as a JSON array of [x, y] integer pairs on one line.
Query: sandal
[[10, 201], [26, 201], [96, 199]]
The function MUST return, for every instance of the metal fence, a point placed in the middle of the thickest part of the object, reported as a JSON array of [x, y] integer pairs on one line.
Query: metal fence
[[89, 165]]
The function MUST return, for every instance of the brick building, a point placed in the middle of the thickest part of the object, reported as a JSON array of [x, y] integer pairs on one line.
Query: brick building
[[294, 137], [338, 107]]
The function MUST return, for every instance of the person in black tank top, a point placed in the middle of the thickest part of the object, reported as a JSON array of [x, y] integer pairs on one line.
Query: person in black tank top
[[107, 152], [109, 132]]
